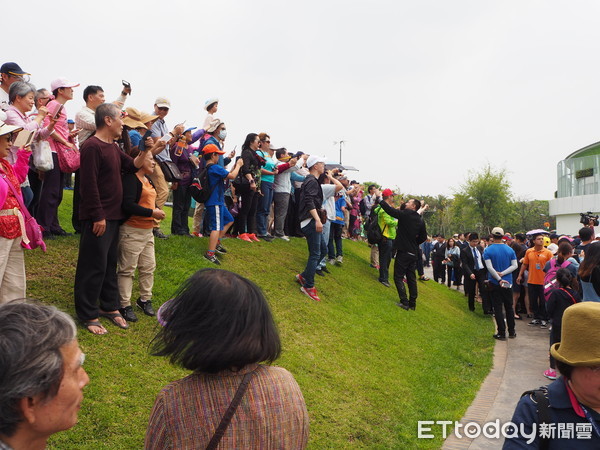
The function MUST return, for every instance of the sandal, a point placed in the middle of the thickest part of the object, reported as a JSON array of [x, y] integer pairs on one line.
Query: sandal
[[113, 318], [94, 323]]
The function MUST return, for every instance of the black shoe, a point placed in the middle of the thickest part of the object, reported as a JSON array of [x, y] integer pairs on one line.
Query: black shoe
[[159, 234], [128, 314], [385, 283], [500, 337], [47, 235], [61, 233], [412, 308], [266, 238], [213, 259], [146, 307], [319, 272], [403, 306], [219, 248], [512, 335], [325, 269]]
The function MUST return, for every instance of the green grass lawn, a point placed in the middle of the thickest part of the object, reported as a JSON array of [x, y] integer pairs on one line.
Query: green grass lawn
[[368, 369]]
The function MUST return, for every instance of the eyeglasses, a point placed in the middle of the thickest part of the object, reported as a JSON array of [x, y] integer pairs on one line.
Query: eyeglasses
[[10, 136]]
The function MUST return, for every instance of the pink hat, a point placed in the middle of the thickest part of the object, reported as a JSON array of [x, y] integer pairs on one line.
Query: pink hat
[[62, 83]]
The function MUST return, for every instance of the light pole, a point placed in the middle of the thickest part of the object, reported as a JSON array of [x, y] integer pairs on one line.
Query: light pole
[[340, 142]]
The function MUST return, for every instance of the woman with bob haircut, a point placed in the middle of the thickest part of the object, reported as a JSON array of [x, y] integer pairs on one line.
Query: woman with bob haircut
[[220, 327]]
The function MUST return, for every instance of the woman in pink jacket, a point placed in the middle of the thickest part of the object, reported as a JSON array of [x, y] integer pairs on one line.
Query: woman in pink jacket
[[12, 262]]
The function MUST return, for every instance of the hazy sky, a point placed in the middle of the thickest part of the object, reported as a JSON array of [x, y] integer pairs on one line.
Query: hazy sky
[[422, 91]]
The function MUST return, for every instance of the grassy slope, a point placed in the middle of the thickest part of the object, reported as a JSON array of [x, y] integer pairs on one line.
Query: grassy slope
[[368, 370]]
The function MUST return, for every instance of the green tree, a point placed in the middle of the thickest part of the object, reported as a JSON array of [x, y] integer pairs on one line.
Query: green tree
[[485, 198], [529, 214]]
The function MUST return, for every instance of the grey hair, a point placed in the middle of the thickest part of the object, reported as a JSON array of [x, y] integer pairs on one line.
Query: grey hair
[[40, 93], [31, 363], [105, 110], [19, 89]]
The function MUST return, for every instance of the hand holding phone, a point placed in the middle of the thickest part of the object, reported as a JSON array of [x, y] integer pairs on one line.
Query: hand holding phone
[[58, 111]]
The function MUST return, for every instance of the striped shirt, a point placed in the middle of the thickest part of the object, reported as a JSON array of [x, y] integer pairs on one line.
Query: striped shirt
[[272, 413]]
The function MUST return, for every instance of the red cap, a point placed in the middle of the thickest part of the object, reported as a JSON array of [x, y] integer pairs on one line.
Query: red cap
[[211, 148], [387, 193]]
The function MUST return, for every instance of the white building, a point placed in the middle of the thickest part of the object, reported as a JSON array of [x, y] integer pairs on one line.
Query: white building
[[578, 188]]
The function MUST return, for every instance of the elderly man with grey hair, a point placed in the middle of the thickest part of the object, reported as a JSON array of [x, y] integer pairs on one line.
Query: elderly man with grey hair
[[41, 374]]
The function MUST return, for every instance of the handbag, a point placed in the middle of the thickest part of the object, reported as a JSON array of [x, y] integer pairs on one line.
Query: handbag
[[32, 237], [170, 171], [68, 158], [42, 156], [241, 390]]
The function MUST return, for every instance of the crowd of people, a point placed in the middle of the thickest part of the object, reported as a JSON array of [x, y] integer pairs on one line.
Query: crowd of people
[[127, 163]]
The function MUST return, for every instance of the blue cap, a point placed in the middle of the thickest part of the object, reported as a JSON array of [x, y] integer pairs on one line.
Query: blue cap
[[190, 129], [71, 121]]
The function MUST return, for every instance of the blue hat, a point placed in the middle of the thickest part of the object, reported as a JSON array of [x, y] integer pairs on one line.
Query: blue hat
[[71, 121]]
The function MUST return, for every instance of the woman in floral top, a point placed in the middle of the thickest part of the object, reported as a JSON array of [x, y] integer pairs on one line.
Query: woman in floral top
[[12, 262]]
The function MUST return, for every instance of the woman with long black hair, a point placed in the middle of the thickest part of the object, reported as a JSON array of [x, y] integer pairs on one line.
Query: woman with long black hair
[[247, 187]]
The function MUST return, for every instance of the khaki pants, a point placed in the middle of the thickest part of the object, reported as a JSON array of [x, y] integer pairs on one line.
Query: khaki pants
[[136, 250], [198, 216], [375, 255], [162, 189], [12, 270]]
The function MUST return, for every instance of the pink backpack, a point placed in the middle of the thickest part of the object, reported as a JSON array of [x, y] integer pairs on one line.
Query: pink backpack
[[550, 282]]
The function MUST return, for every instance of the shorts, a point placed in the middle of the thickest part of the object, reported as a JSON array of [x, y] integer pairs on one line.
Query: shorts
[[218, 217]]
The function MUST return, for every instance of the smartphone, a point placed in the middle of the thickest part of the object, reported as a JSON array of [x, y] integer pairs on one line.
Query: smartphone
[[126, 83], [58, 111], [142, 144]]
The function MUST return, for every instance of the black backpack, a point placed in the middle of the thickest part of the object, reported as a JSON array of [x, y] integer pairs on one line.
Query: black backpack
[[374, 232], [200, 188], [362, 207]]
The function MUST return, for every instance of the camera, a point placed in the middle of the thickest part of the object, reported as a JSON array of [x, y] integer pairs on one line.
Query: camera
[[586, 217]]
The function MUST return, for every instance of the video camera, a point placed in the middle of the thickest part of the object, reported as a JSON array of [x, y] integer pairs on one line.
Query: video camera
[[586, 217]]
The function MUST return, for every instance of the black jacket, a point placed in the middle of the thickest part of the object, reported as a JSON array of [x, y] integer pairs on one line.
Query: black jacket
[[438, 253], [132, 192], [468, 262], [411, 231], [311, 197]]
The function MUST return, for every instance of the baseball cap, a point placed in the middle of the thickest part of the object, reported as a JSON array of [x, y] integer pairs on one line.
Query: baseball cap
[[211, 148], [13, 68], [189, 129], [133, 119], [497, 232], [62, 83], [162, 102], [314, 159], [387, 193]]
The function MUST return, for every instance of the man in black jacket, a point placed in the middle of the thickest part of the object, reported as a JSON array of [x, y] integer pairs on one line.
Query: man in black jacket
[[475, 272], [411, 232], [438, 254], [309, 207]]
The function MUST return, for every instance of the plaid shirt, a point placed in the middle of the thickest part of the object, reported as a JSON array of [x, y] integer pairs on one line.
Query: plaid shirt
[[272, 413]]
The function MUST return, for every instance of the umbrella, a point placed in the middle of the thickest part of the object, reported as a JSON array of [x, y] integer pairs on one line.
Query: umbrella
[[538, 231]]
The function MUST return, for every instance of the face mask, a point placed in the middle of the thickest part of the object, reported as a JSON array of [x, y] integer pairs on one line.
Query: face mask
[[222, 134]]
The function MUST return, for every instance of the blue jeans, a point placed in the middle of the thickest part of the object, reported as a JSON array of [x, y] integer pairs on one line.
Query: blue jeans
[[264, 207], [313, 239], [324, 243], [335, 235]]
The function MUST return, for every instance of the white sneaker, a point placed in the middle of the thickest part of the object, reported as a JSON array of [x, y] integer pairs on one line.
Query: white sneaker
[[340, 259], [285, 238]]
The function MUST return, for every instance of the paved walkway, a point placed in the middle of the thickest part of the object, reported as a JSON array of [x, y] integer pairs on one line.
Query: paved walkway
[[518, 366]]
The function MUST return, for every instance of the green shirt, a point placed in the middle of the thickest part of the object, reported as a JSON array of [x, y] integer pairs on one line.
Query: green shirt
[[387, 223]]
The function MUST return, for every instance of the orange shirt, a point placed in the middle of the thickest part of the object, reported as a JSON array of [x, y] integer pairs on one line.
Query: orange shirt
[[147, 200], [535, 262]]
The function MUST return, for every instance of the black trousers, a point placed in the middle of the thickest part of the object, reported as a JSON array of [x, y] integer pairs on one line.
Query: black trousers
[[385, 257], [182, 200], [537, 301], [75, 215], [405, 266], [96, 273], [470, 290], [246, 218], [502, 297], [439, 270]]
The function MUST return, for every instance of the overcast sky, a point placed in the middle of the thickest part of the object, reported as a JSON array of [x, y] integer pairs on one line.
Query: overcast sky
[[422, 91]]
